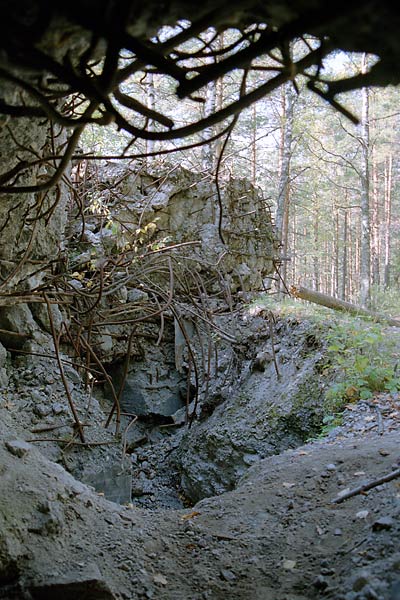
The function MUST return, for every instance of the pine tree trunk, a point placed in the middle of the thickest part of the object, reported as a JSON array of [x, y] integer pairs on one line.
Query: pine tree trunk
[[151, 103], [344, 287], [293, 244], [375, 274], [316, 273], [208, 157], [365, 242], [283, 201], [253, 157], [388, 219], [335, 275]]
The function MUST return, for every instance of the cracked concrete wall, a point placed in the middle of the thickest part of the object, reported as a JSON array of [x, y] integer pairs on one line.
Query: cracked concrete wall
[[172, 205]]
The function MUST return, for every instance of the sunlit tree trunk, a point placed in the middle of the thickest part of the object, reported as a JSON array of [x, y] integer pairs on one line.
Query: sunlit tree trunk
[[283, 200], [293, 244], [355, 271], [208, 150], [365, 241], [343, 291], [253, 156], [336, 247], [151, 103], [316, 265], [208, 153], [375, 224], [388, 220]]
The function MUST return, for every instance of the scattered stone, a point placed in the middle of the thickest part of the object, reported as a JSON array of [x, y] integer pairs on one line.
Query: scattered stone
[[136, 295], [18, 447], [227, 575], [327, 571], [338, 532], [362, 514], [384, 523], [369, 593], [42, 410], [395, 591], [320, 583], [74, 584], [360, 581]]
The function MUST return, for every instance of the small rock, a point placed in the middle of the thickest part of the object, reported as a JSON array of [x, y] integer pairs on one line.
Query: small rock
[[320, 583], [395, 591], [362, 514], [369, 593], [57, 408], [327, 571], [324, 563], [18, 447], [360, 582], [74, 584], [338, 532], [384, 523], [227, 575], [42, 410], [137, 488], [331, 467]]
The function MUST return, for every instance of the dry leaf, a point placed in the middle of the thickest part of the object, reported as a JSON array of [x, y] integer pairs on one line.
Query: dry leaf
[[159, 578], [191, 515], [289, 565], [191, 547]]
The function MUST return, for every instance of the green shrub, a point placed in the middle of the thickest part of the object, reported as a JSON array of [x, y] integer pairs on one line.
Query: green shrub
[[362, 361]]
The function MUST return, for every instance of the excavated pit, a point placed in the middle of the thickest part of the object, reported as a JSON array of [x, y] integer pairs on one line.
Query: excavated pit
[[264, 396]]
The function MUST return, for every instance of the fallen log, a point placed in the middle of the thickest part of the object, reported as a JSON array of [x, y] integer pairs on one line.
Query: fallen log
[[330, 302]]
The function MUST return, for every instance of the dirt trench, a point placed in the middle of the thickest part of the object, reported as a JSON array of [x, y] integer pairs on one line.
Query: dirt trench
[[272, 533]]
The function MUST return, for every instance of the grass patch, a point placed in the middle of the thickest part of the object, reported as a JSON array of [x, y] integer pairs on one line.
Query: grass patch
[[360, 357]]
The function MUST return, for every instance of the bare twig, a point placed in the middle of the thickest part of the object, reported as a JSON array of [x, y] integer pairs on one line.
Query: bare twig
[[367, 486], [78, 424]]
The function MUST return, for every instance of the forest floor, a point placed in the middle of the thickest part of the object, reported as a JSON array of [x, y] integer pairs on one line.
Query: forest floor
[[277, 536]]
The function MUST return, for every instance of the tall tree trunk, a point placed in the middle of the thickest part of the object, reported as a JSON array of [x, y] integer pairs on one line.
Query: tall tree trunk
[[208, 151], [316, 265], [344, 288], [151, 103], [365, 241], [283, 201], [293, 244], [388, 220], [208, 157], [253, 156], [286, 154], [375, 251], [335, 273]]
